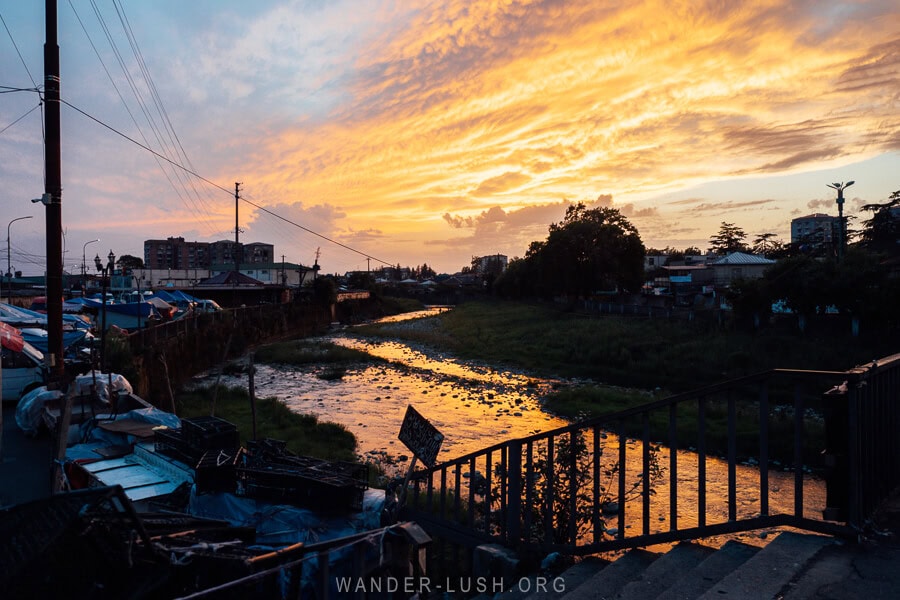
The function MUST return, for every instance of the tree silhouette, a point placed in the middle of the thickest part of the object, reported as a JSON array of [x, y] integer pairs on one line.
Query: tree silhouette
[[730, 238]]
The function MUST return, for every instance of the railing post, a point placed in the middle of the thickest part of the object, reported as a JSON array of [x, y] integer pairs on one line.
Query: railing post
[[514, 493], [837, 422]]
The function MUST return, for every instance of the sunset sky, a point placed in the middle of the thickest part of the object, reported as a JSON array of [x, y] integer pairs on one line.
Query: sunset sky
[[434, 131]]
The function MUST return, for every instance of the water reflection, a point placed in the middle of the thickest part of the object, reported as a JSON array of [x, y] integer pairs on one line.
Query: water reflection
[[477, 405], [473, 405]]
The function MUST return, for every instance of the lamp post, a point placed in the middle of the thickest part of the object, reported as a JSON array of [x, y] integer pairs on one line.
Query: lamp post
[[84, 266], [840, 187], [8, 258], [105, 273]]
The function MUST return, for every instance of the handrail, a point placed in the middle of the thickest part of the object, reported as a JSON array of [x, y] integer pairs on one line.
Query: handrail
[[591, 486]]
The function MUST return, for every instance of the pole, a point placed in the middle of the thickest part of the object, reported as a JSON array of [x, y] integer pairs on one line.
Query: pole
[[840, 203], [53, 194], [252, 389], [237, 265], [84, 266], [53, 189], [9, 259]]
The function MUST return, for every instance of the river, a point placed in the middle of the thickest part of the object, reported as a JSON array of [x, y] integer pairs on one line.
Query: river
[[474, 405]]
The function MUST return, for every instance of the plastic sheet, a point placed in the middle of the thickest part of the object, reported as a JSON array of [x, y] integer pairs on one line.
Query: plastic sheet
[[283, 524]]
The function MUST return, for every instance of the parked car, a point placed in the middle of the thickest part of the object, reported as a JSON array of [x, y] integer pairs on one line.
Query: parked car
[[207, 306], [22, 371]]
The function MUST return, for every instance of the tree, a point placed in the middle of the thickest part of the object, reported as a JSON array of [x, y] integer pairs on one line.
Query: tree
[[426, 272], [766, 245], [729, 239], [881, 233], [591, 250], [129, 263]]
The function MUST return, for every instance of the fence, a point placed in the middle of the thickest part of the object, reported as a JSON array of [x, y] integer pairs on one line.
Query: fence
[[738, 456], [170, 353]]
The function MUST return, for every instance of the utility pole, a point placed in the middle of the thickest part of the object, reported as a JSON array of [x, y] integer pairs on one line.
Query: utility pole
[[53, 196], [316, 264], [237, 230]]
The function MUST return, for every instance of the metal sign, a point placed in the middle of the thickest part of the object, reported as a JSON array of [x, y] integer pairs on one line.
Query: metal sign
[[421, 437]]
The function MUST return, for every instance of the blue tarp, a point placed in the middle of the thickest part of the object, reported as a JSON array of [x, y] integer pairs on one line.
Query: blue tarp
[[38, 338], [283, 524], [175, 297], [19, 317]]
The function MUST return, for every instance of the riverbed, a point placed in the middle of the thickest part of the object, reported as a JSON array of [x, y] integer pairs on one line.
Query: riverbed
[[476, 405]]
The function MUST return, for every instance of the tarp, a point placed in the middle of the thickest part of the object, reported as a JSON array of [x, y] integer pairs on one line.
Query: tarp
[[38, 338], [15, 315], [11, 338], [283, 524]]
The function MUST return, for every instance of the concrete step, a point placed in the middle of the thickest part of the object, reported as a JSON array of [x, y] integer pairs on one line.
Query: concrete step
[[663, 571], [545, 587], [769, 570], [716, 566], [832, 569], [610, 581]]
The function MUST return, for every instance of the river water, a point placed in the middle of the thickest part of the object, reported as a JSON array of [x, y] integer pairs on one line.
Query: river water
[[476, 405]]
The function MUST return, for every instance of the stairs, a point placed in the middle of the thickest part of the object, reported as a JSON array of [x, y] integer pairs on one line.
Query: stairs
[[736, 571]]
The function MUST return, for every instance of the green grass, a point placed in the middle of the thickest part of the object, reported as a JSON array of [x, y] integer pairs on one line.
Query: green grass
[[302, 352], [586, 401], [631, 352], [304, 434]]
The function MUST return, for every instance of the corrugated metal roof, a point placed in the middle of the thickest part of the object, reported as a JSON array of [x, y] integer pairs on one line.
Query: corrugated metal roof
[[741, 258]]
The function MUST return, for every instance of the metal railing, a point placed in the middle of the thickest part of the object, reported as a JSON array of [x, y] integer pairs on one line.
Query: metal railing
[[372, 563], [767, 450]]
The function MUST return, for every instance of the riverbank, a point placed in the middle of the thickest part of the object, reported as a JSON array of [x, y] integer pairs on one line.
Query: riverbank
[[647, 354]]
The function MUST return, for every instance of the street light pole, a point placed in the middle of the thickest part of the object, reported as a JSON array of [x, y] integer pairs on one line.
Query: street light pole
[[105, 273], [84, 265], [842, 234], [9, 260]]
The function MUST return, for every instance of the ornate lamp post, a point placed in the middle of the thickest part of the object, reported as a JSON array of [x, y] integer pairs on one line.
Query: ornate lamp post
[[105, 274], [8, 259], [842, 233]]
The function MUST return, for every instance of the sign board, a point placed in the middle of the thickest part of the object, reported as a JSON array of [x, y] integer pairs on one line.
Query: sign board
[[421, 437]]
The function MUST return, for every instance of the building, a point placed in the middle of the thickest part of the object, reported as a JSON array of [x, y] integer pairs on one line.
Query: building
[[270, 273], [224, 251], [258, 252], [816, 229], [175, 253], [739, 265], [494, 263]]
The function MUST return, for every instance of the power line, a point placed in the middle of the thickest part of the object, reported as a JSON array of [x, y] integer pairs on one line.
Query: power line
[[34, 108], [178, 184], [9, 33], [216, 185]]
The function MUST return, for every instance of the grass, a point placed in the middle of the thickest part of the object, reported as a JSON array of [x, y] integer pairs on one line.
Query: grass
[[304, 434], [640, 360], [630, 352], [303, 352]]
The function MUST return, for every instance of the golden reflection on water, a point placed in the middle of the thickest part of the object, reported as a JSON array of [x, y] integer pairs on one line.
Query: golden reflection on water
[[476, 406]]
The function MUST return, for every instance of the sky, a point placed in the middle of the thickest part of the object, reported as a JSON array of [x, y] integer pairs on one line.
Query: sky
[[429, 132]]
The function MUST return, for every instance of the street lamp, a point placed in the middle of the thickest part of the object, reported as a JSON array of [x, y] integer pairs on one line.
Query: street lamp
[[105, 274], [840, 187], [8, 257], [84, 265]]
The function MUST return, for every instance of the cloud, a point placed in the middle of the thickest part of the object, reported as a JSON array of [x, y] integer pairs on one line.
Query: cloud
[[501, 183], [729, 206], [817, 204]]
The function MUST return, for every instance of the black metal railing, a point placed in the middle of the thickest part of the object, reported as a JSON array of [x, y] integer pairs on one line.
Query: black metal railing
[[772, 449]]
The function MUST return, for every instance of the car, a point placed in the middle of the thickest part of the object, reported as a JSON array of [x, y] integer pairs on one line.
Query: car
[[207, 306], [22, 371]]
